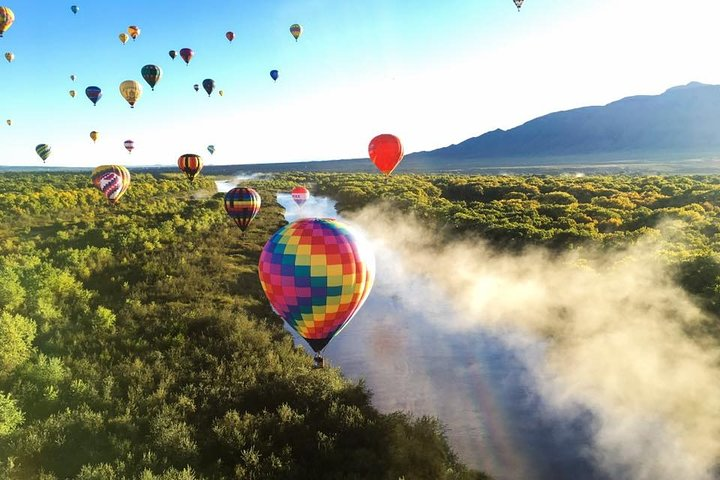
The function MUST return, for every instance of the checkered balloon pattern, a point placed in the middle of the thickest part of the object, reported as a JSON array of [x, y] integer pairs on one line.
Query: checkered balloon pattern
[[316, 274], [242, 204]]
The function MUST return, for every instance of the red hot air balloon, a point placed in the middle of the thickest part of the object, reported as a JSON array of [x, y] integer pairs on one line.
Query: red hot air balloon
[[230, 36], [129, 145], [186, 54], [300, 195], [386, 151], [242, 204], [316, 273], [190, 164]]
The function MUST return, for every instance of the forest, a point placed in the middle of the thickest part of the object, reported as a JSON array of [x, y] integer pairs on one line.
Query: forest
[[136, 341]]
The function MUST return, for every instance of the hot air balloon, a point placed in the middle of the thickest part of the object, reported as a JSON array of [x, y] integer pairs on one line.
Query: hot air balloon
[[72, 93], [316, 273], [9, 56], [518, 4], [75, 9], [172, 54], [190, 164], [242, 204], [300, 195], [112, 180], [151, 74], [196, 87], [94, 135], [230, 36], [221, 93], [211, 149], [129, 145], [134, 31], [209, 85], [386, 151], [9, 122], [43, 151], [274, 74], [7, 17], [296, 30], [123, 37], [186, 54], [94, 94], [73, 77], [131, 91]]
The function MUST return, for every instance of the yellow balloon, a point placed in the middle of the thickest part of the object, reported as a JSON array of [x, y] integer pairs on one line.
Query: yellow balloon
[[221, 93], [131, 91], [9, 122], [72, 93], [9, 56], [123, 37], [7, 17], [94, 135], [134, 31]]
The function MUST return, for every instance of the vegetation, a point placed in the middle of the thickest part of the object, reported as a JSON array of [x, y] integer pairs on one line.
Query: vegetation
[[136, 343]]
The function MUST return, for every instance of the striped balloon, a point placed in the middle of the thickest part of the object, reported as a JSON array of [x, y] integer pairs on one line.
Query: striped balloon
[[242, 204], [112, 180], [94, 94], [151, 74], [316, 273], [7, 17], [129, 145], [300, 195], [190, 164], [296, 30], [43, 150]]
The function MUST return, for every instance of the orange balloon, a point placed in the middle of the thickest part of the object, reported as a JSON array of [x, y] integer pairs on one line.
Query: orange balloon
[[386, 151]]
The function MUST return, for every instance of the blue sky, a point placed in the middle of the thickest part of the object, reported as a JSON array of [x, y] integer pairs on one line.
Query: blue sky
[[433, 73]]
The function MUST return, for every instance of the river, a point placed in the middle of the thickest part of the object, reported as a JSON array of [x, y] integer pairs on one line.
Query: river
[[474, 382]]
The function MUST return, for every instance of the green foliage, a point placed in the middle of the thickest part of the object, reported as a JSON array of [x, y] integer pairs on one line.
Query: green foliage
[[16, 336], [11, 417]]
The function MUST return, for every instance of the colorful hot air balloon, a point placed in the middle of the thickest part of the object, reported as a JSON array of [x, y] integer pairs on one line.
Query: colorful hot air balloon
[[518, 4], [242, 204], [9, 56], [172, 54], [129, 145], [190, 164], [230, 36], [274, 74], [72, 93], [94, 135], [112, 180], [300, 195], [386, 151], [209, 85], [43, 151], [211, 149], [186, 54], [73, 77], [94, 94], [196, 87], [123, 38], [131, 91], [7, 17], [75, 9], [134, 31], [151, 74], [316, 273], [296, 30]]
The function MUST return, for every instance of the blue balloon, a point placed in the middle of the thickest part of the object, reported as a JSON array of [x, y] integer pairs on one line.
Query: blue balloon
[[274, 74], [74, 8], [94, 94]]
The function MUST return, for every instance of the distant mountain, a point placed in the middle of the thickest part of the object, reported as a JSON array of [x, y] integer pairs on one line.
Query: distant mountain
[[683, 121]]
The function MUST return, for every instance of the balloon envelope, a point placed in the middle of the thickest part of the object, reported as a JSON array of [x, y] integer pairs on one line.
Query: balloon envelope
[[123, 37], [274, 74], [94, 135], [186, 54], [242, 204], [300, 195], [230, 36], [129, 145], [131, 91], [196, 87], [7, 17], [75, 8], [134, 31], [211, 149], [43, 150], [72, 93], [9, 56], [296, 30], [94, 94], [209, 85], [73, 77], [190, 164], [112, 180], [518, 4], [151, 74], [172, 54], [221, 93], [9, 122], [386, 151], [316, 273]]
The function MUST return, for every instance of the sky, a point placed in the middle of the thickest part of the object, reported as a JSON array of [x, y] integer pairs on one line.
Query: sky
[[432, 73]]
